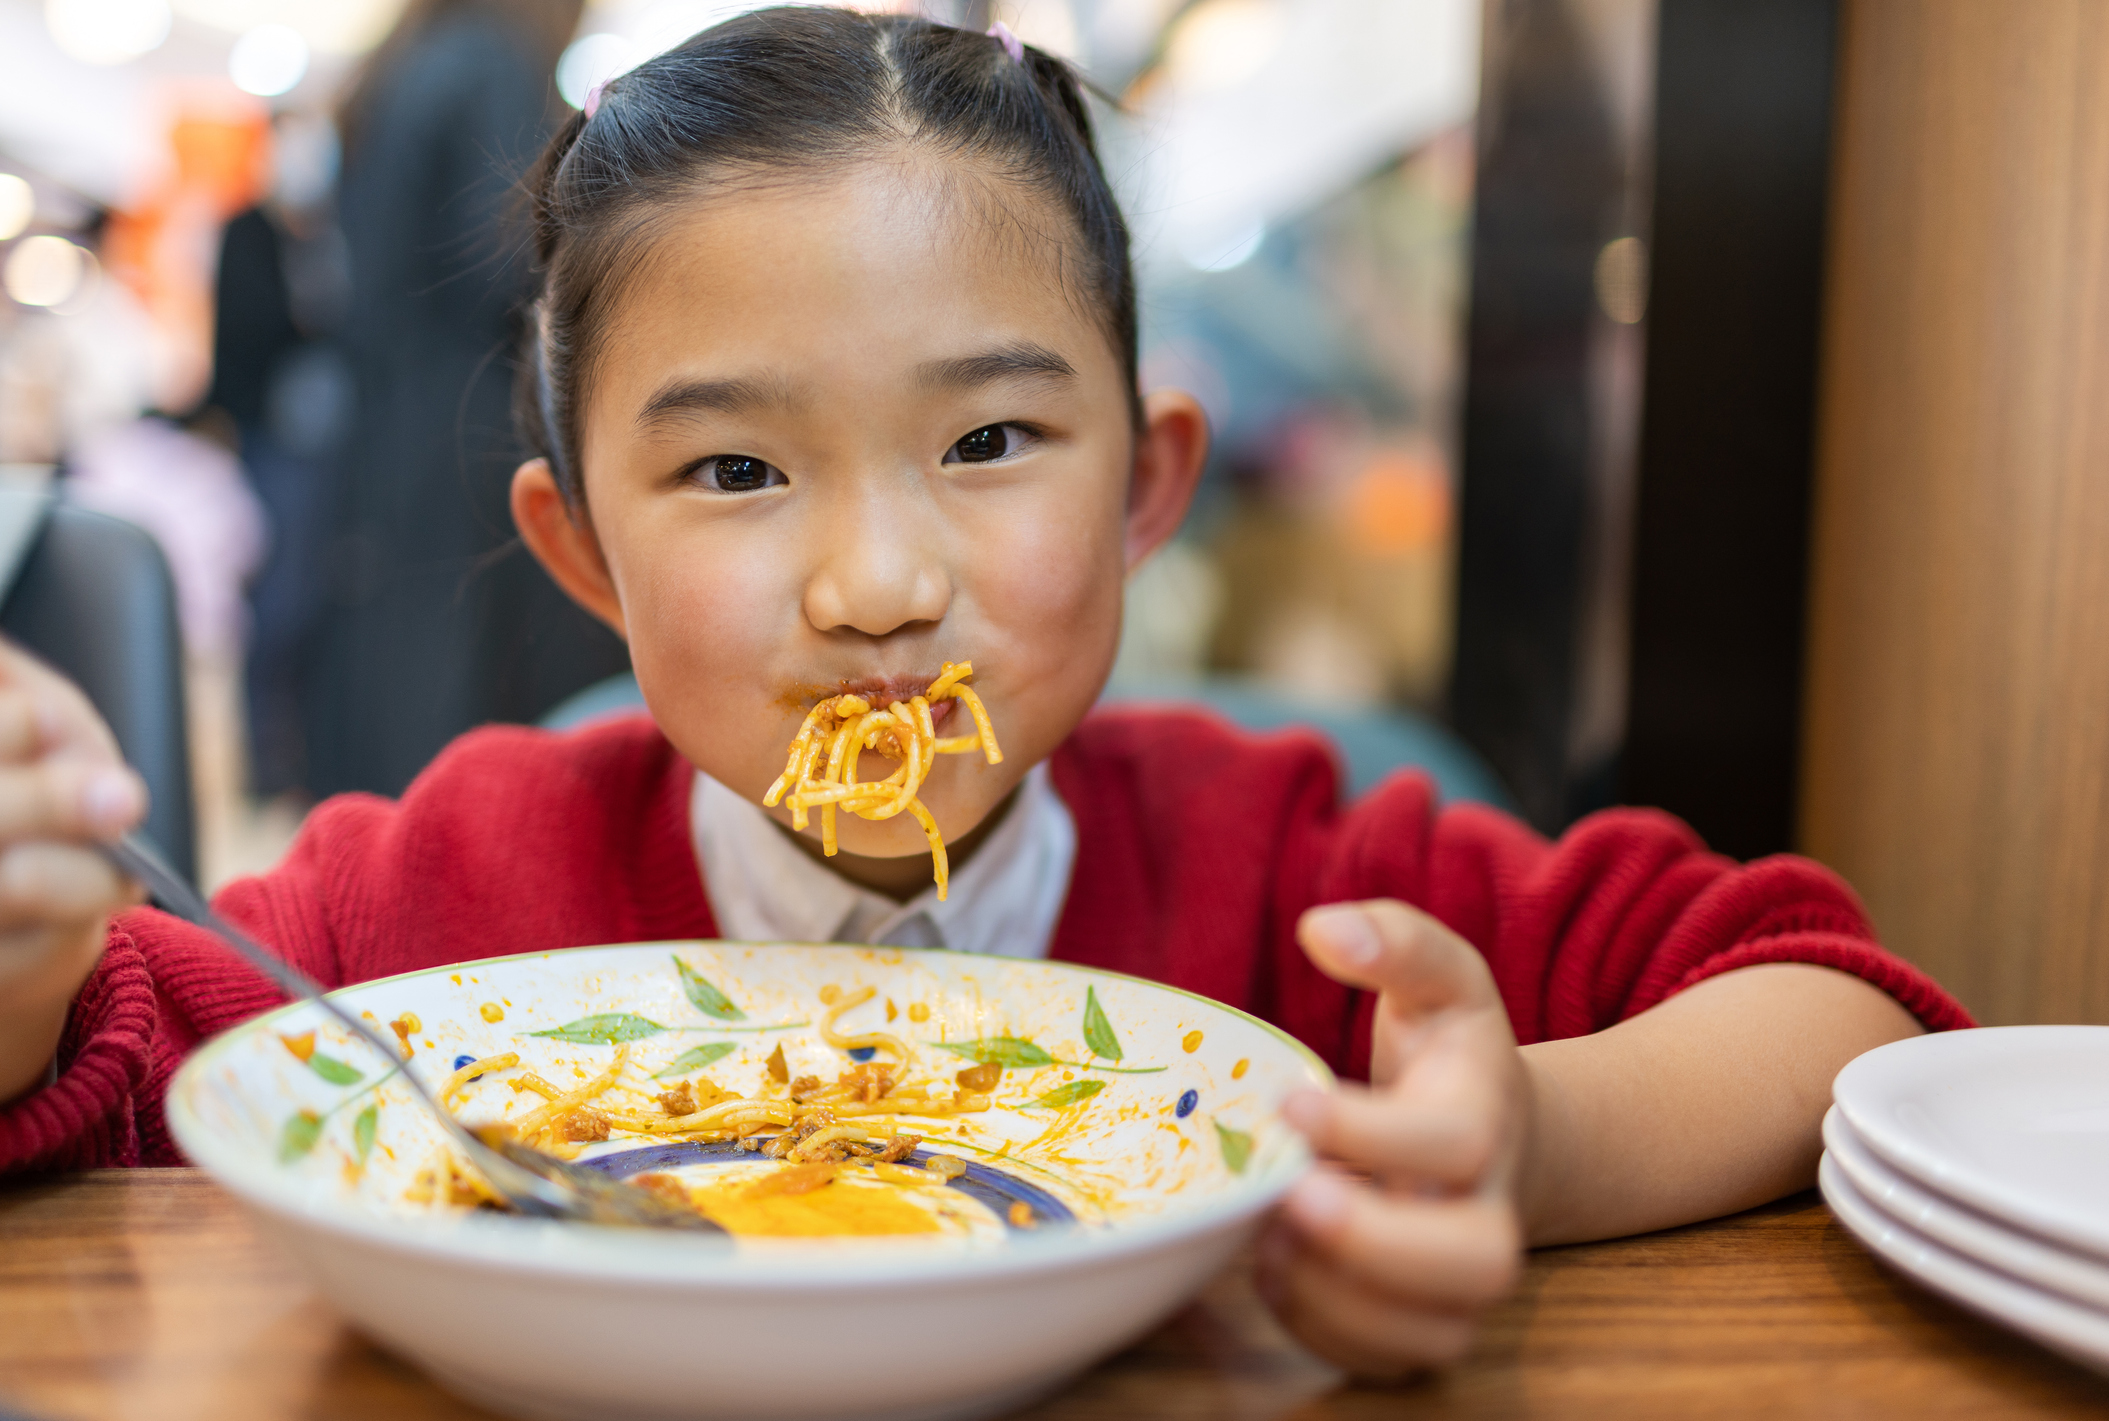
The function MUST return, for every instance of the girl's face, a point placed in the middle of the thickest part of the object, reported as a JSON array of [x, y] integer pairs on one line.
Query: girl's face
[[842, 431]]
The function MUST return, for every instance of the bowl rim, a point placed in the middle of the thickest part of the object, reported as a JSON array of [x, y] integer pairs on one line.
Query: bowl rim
[[548, 1248]]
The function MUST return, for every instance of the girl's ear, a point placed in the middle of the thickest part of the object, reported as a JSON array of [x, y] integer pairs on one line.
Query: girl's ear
[[563, 544], [1169, 452]]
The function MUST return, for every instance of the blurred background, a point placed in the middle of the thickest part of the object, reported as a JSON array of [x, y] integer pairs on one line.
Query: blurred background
[[1511, 318], [262, 291]]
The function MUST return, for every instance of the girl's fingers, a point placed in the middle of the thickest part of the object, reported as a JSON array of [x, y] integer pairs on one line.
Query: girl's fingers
[[1444, 1118], [21, 727], [67, 798], [1384, 946], [1443, 1254], [1357, 1328], [1386, 1282], [66, 721], [46, 883], [1424, 975], [1448, 1142]]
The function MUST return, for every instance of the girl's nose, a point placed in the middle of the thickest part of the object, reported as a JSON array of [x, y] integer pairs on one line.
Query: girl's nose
[[879, 571]]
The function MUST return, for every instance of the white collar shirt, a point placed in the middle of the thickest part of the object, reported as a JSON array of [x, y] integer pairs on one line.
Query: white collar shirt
[[1004, 901]]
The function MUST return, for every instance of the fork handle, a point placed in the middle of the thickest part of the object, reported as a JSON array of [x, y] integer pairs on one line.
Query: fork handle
[[136, 859], [133, 857], [530, 1189]]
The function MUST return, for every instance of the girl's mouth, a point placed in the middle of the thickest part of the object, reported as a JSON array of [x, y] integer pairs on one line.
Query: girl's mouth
[[881, 691]]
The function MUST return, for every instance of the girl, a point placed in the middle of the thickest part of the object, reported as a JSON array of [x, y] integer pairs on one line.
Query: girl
[[833, 375]]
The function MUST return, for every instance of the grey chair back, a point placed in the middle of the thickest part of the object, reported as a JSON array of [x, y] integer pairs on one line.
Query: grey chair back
[[93, 597]]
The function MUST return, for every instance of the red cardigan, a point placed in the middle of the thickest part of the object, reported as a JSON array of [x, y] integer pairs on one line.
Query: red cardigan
[[1198, 846]]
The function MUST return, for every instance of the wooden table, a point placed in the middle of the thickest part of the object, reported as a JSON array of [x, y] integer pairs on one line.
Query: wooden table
[[145, 1295]]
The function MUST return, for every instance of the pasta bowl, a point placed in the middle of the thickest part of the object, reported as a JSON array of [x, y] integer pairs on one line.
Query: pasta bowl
[[943, 1183]]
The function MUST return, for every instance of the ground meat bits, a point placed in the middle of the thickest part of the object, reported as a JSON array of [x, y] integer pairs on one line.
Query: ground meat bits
[[867, 1082], [681, 1100], [805, 1088], [583, 1126], [798, 1134], [892, 1151]]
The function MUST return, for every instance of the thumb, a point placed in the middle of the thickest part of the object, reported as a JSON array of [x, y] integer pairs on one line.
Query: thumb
[[1418, 965]]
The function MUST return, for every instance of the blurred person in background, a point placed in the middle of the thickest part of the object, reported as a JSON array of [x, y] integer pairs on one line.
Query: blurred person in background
[[439, 623], [283, 391], [86, 363]]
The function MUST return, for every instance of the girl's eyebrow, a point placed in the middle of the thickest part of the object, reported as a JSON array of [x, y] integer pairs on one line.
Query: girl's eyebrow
[[737, 396], [1022, 361]]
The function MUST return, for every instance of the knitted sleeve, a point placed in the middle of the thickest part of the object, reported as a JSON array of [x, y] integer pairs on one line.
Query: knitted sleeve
[[1200, 845], [161, 987], [1624, 910], [83, 1120]]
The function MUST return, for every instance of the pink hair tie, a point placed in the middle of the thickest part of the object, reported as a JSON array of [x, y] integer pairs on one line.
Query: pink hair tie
[[593, 98], [1012, 45]]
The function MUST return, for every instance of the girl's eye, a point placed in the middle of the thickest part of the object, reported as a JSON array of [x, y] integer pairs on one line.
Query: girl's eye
[[988, 443], [736, 473]]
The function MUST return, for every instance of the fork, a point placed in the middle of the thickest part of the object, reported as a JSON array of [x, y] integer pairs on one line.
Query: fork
[[529, 1180]]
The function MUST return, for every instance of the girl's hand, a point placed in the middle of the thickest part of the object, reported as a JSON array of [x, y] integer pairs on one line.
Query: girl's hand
[[1382, 1261], [63, 786]]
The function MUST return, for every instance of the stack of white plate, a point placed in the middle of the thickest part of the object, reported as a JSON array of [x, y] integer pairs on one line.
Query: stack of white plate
[[1978, 1163]]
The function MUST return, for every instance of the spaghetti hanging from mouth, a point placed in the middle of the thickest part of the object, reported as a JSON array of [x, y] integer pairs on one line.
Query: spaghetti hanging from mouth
[[822, 770]]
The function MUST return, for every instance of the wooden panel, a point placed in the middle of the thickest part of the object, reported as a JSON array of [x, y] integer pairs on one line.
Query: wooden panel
[[1956, 763]]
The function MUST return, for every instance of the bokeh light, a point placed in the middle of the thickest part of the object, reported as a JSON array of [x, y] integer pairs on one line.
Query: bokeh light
[[1219, 44], [592, 59], [43, 271], [642, 32], [1622, 280], [1045, 24], [268, 60], [18, 204], [1226, 252], [107, 31]]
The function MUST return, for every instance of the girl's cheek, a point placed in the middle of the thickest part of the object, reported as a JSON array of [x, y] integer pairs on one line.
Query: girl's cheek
[[703, 613], [1047, 579]]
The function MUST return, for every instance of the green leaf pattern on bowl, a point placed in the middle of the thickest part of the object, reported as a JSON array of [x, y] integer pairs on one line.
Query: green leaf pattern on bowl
[[1013, 1053], [333, 1070], [710, 1053], [706, 998], [1098, 1032], [302, 1130], [298, 1137], [1075, 1093], [606, 1029]]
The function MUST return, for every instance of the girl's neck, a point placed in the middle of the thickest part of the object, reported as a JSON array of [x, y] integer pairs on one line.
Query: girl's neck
[[902, 878]]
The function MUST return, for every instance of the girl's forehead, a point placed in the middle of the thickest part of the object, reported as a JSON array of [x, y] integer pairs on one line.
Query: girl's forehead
[[892, 259]]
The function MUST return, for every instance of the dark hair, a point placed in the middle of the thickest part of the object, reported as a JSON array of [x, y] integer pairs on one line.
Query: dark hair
[[798, 87]]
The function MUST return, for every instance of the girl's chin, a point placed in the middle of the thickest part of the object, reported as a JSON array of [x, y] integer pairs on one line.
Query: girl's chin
[[889, 853], [902, 837], [887, 843]]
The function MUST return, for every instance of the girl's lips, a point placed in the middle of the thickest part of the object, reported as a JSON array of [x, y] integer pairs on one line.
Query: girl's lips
[[884, 691]]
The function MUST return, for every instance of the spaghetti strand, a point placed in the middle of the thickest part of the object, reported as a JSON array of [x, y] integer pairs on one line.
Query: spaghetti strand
[[820, 769]]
